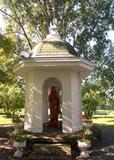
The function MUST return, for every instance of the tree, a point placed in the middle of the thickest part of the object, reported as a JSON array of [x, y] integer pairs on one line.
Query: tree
[[11, 99], [93, 96], [7, 47], [82, 20], [84, 24], [11, 94], [103, 76]]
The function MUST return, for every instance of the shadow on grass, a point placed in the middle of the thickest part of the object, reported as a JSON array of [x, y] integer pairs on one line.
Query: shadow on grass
[[104, 150], [105, 154], [4, 131], [6, 148], [107, 138], [51, 150]]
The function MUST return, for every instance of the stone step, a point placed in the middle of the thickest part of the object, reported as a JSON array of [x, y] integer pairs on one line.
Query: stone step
[[50, 152]]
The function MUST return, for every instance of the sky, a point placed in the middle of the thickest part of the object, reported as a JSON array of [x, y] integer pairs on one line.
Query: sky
[[111, 35], [2, 24]]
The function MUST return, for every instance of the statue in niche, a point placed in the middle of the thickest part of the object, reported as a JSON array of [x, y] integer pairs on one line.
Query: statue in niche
[[54, 105]]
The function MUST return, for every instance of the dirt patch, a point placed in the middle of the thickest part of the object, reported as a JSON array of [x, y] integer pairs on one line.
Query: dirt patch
[[6, 148]]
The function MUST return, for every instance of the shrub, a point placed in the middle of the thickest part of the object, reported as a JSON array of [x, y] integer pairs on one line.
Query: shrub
[[11, 99]]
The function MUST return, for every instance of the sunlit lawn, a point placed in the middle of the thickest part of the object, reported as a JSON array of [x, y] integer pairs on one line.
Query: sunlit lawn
[[4, 120], [104, 117]]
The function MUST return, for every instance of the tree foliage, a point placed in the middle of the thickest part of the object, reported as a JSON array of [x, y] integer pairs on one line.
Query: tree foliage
[[82, 21], [11, 95], [85, 24], [11, 99], [7, 46], [94, 95]]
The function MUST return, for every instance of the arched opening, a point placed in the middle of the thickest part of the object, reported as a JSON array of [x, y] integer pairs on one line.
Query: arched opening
[[46, 104]]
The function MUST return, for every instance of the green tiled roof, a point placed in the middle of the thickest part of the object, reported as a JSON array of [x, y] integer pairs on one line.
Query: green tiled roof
[[53, 46]]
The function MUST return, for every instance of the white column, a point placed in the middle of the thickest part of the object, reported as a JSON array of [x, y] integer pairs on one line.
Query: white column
[[71, 106], [28, 101], [76, 110], [33, 112], [66, 105]]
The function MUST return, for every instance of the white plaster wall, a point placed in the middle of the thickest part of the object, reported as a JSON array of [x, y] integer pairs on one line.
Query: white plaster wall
[[37, 106], [29, 101], [76, 101], [33, 104], [42, 76], [66, 106], [34, 117]]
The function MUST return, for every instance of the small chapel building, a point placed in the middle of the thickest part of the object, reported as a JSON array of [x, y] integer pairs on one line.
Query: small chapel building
[[53, 62]]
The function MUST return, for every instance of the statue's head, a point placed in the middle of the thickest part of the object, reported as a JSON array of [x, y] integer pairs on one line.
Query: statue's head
[[53, 88]]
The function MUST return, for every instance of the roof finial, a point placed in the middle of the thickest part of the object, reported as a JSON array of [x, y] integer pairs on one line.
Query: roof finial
[[53, 29]]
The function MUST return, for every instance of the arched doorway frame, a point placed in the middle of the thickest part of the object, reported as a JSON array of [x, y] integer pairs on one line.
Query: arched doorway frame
[[52, 81]]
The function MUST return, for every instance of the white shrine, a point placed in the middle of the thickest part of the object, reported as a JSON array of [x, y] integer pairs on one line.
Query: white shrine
[[53, 62]]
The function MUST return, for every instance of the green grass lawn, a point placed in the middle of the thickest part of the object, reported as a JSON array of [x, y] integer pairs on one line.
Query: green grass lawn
[[104, 117], [4, 120]]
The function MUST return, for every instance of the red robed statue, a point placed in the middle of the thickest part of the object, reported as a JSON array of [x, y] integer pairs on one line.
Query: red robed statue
[[54, 105]]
